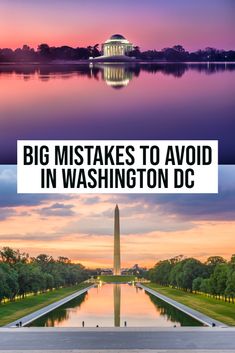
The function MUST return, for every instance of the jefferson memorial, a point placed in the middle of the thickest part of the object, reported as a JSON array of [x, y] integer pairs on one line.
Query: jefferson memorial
[[117, 45]]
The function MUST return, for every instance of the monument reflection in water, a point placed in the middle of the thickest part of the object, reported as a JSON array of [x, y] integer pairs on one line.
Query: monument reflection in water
[[111, 305], [117, 304]]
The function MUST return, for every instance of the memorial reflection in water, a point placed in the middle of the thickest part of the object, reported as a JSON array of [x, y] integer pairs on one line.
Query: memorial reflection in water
[[118, 101], [116, 305], [117, 76]]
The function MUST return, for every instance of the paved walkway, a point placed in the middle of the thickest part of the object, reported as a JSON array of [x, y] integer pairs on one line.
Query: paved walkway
[[36, 314], [126, 351], [120, 339], [206, 320]]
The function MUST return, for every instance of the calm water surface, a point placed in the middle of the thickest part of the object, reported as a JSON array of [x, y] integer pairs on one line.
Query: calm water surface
[[154, 101], [111, 305]]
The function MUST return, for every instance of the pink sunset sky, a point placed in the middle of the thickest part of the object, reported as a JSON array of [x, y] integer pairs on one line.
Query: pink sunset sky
[[149, 24]]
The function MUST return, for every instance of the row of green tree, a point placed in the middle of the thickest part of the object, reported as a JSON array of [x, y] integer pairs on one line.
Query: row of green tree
[[21, 274], [45, 53], [215, 277], [178, 53]]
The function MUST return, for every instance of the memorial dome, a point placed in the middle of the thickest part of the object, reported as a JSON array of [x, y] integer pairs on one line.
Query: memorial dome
[[117, 36]]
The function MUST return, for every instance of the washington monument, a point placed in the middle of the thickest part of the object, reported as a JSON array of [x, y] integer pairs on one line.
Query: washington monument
[[116, 258]]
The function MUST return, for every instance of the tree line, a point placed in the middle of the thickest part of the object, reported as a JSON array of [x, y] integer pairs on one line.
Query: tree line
[[21, 274], [46, 53], [215, 277], [178, 53]]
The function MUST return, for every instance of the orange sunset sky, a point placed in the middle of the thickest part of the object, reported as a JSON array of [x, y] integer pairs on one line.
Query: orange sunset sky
[[153, 227]]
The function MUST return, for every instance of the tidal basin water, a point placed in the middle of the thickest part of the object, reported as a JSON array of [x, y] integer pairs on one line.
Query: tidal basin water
[[110, 305], [107, 101]]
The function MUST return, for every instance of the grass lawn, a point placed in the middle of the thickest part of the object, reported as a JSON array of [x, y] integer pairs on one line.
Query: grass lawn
[[115, 279], [12, 311], [219, 310]]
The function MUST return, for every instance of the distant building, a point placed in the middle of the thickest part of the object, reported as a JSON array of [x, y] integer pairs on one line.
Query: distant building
[[106, 271], [136, 267], [117, 45], [125, 272]]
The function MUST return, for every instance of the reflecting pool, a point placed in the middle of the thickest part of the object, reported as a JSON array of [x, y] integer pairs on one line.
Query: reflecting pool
[[112, 305]]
